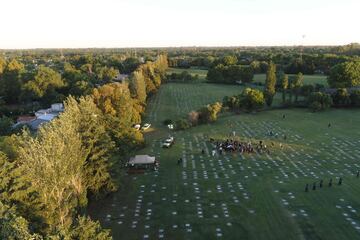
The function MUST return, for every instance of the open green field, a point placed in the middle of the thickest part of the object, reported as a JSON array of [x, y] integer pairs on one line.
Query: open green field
[[233, 196], [308, 79]]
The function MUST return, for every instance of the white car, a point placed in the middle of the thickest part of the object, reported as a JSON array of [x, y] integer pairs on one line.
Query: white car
[[146, 126], [171, 126], [137, 126], [168, 142]]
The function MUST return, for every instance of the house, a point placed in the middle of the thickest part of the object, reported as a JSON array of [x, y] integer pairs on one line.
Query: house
[[120, 78], [36, 124], [42, 116], [55, 108]]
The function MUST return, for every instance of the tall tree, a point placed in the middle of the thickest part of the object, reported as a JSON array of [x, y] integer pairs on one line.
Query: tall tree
[[90, 124], [270, 82], [297, 84], [284, 86], [137, 86], [2, 65], [121, 112], [11, 82], [53, 163]]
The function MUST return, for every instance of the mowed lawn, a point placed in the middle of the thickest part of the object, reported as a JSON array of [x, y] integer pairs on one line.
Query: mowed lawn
[[308, 79], [233, 196]]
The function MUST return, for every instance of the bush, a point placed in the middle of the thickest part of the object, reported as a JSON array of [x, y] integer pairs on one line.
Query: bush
[[315, 106], [252, 99], [355, 98], [341, 97], [182, 124], [210, 112], [167, 122], [319, 101]]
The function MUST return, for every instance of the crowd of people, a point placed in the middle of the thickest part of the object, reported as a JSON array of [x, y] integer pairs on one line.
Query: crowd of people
[[233, 146]]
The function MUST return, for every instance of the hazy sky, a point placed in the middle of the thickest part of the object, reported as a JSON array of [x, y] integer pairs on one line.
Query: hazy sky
[[154, 23]]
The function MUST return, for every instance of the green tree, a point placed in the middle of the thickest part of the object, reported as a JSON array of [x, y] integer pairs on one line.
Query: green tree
[[86, 229], [11, 81], [90, 124], [45, 84], [345, 75], [297, 84], [106, 74], [341, 97], [5, 125], [149, 76], [137, 86], [2, 65], [230, 60], [13, 226], [182, 124], [53, 163], [270, 82], [284, 86], [319, 101], [121, 113], [251, 99]]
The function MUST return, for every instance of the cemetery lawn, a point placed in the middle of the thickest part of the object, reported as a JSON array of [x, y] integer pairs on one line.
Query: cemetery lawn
[[247, 196]]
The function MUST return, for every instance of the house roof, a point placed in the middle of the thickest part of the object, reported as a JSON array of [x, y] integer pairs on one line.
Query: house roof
[[47, 117], [35, 124], [142, 159], [25, 118]]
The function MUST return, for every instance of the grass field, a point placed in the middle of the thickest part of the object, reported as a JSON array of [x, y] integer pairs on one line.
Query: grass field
[[248, 196], [308, 79]]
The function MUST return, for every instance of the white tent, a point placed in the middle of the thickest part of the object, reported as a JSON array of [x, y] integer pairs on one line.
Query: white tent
[[142, 159]]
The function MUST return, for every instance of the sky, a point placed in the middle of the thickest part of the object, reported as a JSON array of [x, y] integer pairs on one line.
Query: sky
[[175, 23]]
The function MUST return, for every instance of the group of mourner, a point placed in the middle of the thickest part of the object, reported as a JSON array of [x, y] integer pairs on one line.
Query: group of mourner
[[233, 146]]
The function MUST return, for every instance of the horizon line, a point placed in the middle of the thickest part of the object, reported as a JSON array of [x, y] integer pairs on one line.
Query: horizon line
[[188, 46]]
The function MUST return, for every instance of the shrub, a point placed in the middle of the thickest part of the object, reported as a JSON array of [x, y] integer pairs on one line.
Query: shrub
[[319, 101], [252, 99], [182, 124], [167, 122], [355, 98], [210, 112], [341, 97]]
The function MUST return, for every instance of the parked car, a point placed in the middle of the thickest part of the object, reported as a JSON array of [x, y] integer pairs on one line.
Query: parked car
[[146, 126], [171, 126], [137, 126], [168, 142]]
